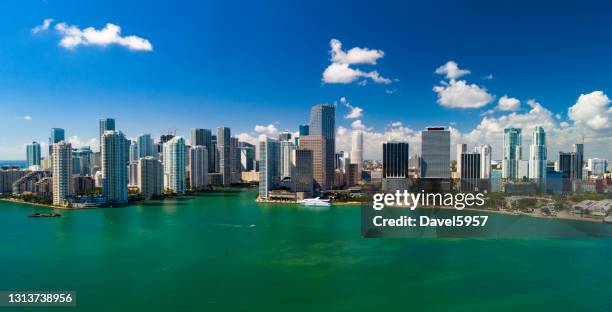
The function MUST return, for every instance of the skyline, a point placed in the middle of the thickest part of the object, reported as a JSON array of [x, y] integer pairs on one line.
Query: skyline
[[204, 61]]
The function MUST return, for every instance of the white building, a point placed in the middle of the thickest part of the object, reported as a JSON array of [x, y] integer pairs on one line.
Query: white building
[[287, 168], [150, 177], [597, 166], [114, 167], [537, 155], [62, 173], [174, 165], [485, 161], [198, 167]]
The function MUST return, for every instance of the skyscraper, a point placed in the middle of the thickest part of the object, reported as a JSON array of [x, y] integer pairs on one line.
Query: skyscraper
[[357, 150], [145, 146], [470, 171], [174, 165], [235, 160], [395, 160], [57, 135], [304, 130], [224, 148], [485, 161], [247, 156], [62, 173], [284, 136], [150, 177], [577, 161], [461, 148], [322, 128], [203, 137], [106, 124], [114, 167], [597, 166], [303, 170], [537, 155], [134, 154], [511, 153], [287, 169], [269, 156], [198, 167], [33, 154], [435, 149]]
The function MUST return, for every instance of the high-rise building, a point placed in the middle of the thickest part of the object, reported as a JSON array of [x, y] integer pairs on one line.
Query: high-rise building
[[597, 166], [304, 130], [269, 158], [461, 149], [303, 170], [322, 165], [224, 149], [114, 167], [523, 169], [247, 156], [565, 164], [357, 150], [435, 150], [146, 147], [287, 169], [577, 161], [33, 154], [106, 124], [470, 171], [235, 160], [511, 153], [284, 136], [396, 157], [150, 177], [203, 137], [62, 173], [537, 155], [134, 153], [322, 128], [84, 157], [198, 167], [174, 165], [485, 161], [133, 173], [57, 135]]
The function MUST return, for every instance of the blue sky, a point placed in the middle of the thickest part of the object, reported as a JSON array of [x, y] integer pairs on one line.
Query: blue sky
[[242, 64]]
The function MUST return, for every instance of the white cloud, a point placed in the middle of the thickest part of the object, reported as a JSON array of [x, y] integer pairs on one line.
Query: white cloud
[[73, 36], [77, 142], [487, 77], [269, 130], [27, 117], [42, 27], [354, 55], [245, 137], [390, 91], [451, 70], [460, 94], [339, 70], [506, 103], [593, 110], [354, 111]]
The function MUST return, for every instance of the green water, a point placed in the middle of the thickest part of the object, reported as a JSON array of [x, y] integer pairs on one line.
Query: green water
[[201, 253]]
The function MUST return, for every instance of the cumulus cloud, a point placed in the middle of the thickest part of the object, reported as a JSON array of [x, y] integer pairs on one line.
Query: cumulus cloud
[[340, 71], [506, 103], [27, 117], [245, 137], [451, 70], [44, 26], [354, 111], [460, 94], [354, 55], [269, 130], [77, 142], [592, 110], [73, 36], [487, 77]]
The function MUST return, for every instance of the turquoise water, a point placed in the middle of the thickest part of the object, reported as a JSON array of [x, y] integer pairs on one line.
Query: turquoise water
[[201, 253]]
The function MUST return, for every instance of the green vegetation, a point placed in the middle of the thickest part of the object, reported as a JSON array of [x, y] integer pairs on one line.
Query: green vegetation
[[589, 196]]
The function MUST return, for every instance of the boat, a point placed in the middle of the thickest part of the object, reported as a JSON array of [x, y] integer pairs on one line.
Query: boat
[[45, 215], [315, 202]]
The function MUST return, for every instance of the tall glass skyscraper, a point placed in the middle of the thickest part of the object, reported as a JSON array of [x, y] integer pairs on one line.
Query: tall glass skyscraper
[[485, 161], [224, 149], [323, 121], [323, 124], [57, 135], [203, 137], [106, 124], [198, 167], [145, 146], [304, 130], [33, 154], [174, 164], [114, 167], [577, 161], [287, 169], [435, 150], [537, 155], [269, 155], [512, 153]]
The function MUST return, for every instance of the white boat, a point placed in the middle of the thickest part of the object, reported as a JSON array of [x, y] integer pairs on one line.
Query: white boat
[[315, 202]]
